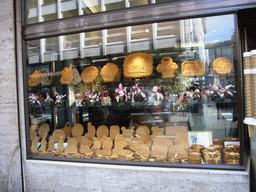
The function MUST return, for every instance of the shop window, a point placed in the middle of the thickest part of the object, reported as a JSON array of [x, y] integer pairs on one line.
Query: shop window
[[157, 93]]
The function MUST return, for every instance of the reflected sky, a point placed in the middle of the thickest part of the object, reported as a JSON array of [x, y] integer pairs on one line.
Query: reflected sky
[[219, 28]]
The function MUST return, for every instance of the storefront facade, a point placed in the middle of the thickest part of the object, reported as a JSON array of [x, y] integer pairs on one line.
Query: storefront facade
[[25, 169]]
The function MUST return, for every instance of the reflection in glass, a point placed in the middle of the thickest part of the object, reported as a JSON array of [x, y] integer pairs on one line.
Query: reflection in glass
[[114, 5], [116, 35], [69, 8], [135, 3], [49, 11], [46, 10], [71, 41]]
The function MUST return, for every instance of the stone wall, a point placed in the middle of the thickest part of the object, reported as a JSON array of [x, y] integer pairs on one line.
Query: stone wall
[[10, 166], [253, 160], [66, 176]]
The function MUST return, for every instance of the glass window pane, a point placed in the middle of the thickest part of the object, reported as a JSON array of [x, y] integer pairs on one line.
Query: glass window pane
[[141, 32], [114, 4], [135, 3], [161, 92], [71, 41], [69, 8], [116, 35], [48, 10], [93, 6], [31, 11]]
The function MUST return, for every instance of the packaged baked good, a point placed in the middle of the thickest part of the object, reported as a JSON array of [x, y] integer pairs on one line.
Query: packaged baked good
[[138, 65], [193, 68], [167, 67], [67, 75], [89, 74], [222, 65], [35, 78], [194, 159], [108, 72]]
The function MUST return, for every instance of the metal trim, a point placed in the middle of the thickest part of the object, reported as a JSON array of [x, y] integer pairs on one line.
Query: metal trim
[[134, 16], [141, 163]]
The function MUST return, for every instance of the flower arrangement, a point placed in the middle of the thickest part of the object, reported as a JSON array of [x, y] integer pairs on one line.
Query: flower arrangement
[[156, 92], [59, 98], [121, 94], [222, 92], [48, 99], [137, 93], [93, 98], [33, 100], [182, 103]]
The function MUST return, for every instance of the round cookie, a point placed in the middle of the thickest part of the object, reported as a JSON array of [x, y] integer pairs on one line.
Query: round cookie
[[77, 130], [222, 65]]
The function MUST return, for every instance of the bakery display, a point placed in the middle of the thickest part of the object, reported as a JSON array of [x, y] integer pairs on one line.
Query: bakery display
[[141, 143], [193, 68], [222, 65], [139, 108], [138, 65], [167, 67]]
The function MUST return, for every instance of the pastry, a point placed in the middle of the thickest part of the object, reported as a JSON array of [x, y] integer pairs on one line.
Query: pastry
[[33, 147], [167, 67], [67, 75], [67, 129], [192, 68], [60, 147], [77, 130], [138, 65], [43, 130], [51, 144], [35, 78], [43, 145], [142, 131], [222, 65], [114, 130], [89, 74], [91, 130], [57, 133], [102, 130], [71, 149], [109, 71], [96, 144]]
